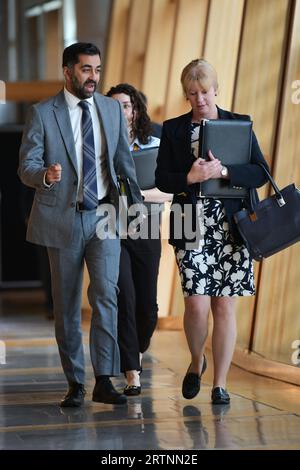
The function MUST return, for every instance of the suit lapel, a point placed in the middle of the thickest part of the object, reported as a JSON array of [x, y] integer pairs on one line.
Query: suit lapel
[[106, 121], [182, 134], [63, 120], [223, 114]]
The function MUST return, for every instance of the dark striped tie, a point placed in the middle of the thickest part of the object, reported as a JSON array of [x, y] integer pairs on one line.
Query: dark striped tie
[[89, 177]]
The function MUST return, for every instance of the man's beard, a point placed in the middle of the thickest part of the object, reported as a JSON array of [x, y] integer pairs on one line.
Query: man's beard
[[80, 91]]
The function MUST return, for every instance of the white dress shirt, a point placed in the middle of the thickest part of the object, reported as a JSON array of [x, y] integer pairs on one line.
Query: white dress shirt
[[75, 113]]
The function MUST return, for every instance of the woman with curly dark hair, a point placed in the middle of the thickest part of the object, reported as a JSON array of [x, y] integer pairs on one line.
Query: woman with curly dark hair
[[135, 110], [139, 262]]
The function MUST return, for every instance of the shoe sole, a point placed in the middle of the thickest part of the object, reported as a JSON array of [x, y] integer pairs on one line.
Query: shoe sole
[[132, 391], [71, 405], [109, 402], [221, 401]]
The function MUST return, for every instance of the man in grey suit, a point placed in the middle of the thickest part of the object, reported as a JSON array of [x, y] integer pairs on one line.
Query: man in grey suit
[[74, 146]]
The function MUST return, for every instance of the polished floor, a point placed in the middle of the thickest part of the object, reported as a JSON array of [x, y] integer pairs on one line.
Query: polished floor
[[263, 414]]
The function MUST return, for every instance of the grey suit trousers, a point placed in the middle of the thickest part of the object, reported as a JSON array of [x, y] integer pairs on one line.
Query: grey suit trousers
[[102, 260]]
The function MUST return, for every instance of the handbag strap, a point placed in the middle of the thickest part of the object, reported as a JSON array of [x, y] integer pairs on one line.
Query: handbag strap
[[278, 194]]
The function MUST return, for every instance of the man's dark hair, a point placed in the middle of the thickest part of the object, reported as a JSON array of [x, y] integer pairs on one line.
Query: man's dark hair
[[71, 53], [141, 125]]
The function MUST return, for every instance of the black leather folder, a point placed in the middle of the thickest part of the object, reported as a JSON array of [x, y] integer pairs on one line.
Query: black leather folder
[[145, 166], [230, 141]]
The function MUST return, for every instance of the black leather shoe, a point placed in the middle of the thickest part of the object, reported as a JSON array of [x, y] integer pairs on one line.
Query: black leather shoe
[[132, 390], [192, 382], [104, 392], [74, 397], [219, 396]]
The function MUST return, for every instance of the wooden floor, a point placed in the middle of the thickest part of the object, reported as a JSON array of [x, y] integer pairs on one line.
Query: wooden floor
[[263, 414]]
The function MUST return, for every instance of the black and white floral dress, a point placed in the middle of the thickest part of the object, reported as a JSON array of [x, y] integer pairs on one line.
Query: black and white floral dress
[[218, 267]]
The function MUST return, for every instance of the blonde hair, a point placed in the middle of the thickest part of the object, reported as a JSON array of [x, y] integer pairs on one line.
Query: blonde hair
[[201, 71]]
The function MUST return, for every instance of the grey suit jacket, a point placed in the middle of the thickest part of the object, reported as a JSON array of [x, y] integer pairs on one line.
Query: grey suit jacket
[[47, 139]]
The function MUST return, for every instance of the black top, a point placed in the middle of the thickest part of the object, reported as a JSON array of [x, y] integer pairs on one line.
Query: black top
[[175, 160]]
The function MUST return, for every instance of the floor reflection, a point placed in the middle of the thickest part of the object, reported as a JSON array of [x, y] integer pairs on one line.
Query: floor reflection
[[32, 384], [199, 434], [196, 430], [223, 436]]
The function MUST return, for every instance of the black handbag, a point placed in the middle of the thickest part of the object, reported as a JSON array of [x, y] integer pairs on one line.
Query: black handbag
[[273, 224]]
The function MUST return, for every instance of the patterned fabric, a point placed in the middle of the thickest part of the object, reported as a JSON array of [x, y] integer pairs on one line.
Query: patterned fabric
[[195, 127], [90, 193], [219, 267]]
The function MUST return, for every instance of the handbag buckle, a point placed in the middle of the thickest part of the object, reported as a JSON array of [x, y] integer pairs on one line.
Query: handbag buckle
[[253, 216], [280, 201]]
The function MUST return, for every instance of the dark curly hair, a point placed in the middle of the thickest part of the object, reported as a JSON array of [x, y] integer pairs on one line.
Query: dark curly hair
[[141, 125]]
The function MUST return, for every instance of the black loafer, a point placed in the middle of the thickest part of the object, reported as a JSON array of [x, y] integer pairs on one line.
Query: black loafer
[[132, 390], [105, 392], [74, 397], [192, 382], [220, 396]]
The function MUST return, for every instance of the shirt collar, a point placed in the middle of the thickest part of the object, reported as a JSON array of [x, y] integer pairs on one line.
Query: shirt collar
[[152, 142], [135, 143], [72, 100]]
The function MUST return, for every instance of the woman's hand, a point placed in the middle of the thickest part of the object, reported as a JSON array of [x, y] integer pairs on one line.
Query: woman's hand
[[216, 165], [155, 195], [203, 170]]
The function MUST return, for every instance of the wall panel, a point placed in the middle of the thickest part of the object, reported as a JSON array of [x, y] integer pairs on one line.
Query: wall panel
[[53, 45], [138, 29], [222, 44], [117, 40], [259, 71], [167, 270], [158, 55], [278, 310], [188, 45], [257, 93]]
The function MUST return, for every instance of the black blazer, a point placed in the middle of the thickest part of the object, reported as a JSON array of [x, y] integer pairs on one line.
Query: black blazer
[[175, 160]]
